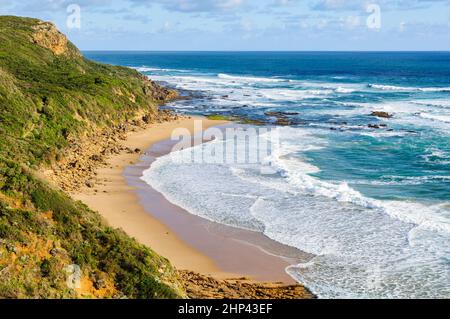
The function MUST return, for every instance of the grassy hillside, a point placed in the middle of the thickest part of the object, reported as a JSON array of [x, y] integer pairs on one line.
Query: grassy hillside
[[48, 91], [49, 95]]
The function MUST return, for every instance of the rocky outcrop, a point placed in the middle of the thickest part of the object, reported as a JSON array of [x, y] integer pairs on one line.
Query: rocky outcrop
[[280, 114], [381, 114], [283, 118], [47, 35], [158, 92], [77, 169], [203, 287]]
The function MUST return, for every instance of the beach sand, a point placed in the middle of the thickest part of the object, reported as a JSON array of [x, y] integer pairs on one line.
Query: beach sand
[[189, 242]]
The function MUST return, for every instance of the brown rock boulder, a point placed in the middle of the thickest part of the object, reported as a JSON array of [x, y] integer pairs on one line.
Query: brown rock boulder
[[381, 114]]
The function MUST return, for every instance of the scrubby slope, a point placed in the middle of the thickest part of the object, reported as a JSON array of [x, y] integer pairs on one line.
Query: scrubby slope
[[48, 91], [50, 95]]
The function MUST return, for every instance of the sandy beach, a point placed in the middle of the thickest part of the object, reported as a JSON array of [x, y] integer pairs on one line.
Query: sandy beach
[[189, 242], [117, 202]]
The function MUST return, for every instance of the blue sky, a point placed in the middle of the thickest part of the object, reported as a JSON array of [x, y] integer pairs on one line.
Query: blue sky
[[247, 24]]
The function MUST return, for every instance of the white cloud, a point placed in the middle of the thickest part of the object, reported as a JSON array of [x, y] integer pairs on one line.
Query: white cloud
[[352, 22], [195, 6], [357, 5]]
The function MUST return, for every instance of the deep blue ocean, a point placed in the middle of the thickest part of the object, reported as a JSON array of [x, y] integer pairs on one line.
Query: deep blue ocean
[[368, 196]]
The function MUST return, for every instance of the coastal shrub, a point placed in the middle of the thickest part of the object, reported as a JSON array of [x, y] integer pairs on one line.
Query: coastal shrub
[[6, 231]]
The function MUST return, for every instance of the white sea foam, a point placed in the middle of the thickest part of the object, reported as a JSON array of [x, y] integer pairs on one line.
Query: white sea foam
[[404, 112], [436, 117], [437, 153], [147, 69], [153, 69], [439, 103], [259, 91], [437, 156], [293, 95], [344, 90], [409, 89], [249, 79], [402, 180], [384, 134]]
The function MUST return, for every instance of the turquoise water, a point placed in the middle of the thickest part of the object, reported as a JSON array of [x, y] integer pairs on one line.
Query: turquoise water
[[370, 197]]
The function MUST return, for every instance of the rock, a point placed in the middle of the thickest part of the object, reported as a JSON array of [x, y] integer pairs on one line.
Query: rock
[[282, 117], [73, 164], [96, 158], [280, 114], [375, 126], [283, 122], [200, 286], [77, 169], [381, 114], [99, 281], [47, 35], [11, 248], [147, 119], [56, 251]]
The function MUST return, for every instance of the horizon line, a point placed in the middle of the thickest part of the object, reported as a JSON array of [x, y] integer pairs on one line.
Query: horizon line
[[274, 51]]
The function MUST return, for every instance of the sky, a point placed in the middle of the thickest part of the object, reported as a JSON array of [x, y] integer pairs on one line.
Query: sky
[[245, 25]]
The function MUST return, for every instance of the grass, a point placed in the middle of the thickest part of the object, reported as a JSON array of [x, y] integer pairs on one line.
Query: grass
[[219, 117]]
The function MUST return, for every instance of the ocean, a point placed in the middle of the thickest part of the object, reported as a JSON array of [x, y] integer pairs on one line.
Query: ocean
[[368, 196]]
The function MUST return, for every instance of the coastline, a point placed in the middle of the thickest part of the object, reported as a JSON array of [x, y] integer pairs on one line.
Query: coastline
[[192, 244]]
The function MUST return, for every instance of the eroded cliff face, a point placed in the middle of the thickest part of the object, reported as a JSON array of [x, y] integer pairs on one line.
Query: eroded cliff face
[[48, 36], [157, 92]]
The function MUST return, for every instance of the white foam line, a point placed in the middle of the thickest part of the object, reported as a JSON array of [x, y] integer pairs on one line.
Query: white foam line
[[409, 89]]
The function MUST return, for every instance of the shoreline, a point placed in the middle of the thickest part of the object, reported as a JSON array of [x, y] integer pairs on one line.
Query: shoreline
[[191, 243]]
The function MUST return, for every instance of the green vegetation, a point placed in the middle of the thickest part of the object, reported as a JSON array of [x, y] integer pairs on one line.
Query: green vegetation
[[50, 94], [234, 118], [219, 117], [45, 97], [47, 231]]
